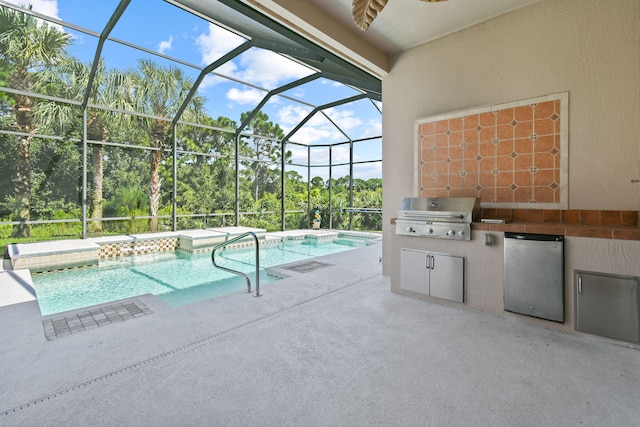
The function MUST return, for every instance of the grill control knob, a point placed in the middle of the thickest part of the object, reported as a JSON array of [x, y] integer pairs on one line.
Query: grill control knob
[[429, 230], [451, 233], [461, 233], [410, 230]]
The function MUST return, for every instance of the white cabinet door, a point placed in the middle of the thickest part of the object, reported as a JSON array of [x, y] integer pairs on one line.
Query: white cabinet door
[[414, 275], [447, 277]]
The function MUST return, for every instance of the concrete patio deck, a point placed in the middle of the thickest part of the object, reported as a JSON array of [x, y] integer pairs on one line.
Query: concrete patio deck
[[332, 346]]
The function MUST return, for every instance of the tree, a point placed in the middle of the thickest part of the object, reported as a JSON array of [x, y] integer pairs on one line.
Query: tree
[[317, 182], [159, 92], [27, 47], [262, 152], [69, 80], [110, 89], [207, 182]]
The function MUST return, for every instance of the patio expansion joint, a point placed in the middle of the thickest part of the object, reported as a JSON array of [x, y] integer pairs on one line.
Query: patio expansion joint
[[175, 351]]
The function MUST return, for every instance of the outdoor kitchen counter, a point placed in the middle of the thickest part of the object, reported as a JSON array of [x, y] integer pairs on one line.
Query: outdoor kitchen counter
[[616, 232], [599, 249]]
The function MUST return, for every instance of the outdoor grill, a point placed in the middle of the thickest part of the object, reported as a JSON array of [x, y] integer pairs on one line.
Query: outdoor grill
[[440, 218]]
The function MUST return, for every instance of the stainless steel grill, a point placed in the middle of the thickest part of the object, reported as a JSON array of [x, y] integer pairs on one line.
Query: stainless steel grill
[[441, 218]]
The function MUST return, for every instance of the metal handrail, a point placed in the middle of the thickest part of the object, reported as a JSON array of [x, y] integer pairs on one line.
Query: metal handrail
[[362, 210], [240, 273]]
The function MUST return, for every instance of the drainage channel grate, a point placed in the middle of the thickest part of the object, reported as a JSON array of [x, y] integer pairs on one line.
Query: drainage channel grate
[[307, 266], [68, 324]]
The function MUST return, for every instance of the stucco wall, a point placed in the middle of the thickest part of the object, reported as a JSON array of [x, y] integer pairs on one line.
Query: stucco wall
[[586, 47], [589, 48]]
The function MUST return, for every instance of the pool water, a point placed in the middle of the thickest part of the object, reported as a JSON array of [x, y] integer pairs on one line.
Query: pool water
[[178, 277]]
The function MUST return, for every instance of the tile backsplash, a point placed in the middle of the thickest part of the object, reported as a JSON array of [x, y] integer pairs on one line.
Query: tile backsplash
[[510, 155], [571, 216]]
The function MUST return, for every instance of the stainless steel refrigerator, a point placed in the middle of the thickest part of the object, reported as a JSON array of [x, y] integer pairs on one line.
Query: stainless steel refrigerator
[[534, 275]]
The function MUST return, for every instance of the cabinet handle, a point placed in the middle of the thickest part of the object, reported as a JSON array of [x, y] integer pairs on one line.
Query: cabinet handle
[[579, 284], [433, 262]]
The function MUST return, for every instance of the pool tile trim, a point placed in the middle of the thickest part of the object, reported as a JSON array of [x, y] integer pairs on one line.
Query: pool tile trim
[[51, 256]]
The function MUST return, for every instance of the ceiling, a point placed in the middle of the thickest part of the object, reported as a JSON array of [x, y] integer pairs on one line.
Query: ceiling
[[322, 34], [403, 24]]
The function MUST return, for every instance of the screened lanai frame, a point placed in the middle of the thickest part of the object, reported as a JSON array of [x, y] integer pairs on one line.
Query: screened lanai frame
[[368, 89]]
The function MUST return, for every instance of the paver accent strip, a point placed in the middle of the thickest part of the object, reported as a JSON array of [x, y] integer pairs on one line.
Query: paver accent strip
[[64, 325]]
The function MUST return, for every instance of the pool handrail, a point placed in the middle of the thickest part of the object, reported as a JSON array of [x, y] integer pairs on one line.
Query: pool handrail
[[240, 273]]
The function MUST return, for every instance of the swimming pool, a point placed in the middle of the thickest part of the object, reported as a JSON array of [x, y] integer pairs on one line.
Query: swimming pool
[[178, 277]]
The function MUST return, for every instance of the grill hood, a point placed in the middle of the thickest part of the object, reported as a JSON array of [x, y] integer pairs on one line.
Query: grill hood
[[448, 209], [441, 218]]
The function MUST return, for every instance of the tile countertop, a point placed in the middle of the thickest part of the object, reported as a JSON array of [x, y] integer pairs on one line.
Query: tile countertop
[[617, 232]]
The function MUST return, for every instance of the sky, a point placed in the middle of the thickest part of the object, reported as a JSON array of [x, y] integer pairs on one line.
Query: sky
[[165, 29]]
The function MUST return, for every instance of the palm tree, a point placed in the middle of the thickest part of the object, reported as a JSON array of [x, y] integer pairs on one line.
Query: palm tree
[[159, 92], [110, 89], [27, 47]]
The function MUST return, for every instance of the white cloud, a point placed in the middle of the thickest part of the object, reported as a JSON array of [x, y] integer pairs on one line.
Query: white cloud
[[318, 128], [319, 120], [212, 45], [345, 119], [258, 66], [368, 170], [298, 154], [291, 115], [310, 135], [333, 83], [216, 42], [340, 154], [374, 128], [45, 7], [268, 69], [165, 45], [250, 96], [208, 81]]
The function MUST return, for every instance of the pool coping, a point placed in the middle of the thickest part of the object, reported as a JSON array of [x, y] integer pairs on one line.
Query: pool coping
[[16, 285], [64, 254]]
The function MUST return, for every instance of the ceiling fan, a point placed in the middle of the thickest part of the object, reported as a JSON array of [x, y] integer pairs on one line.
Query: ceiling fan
[[365, 11]]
